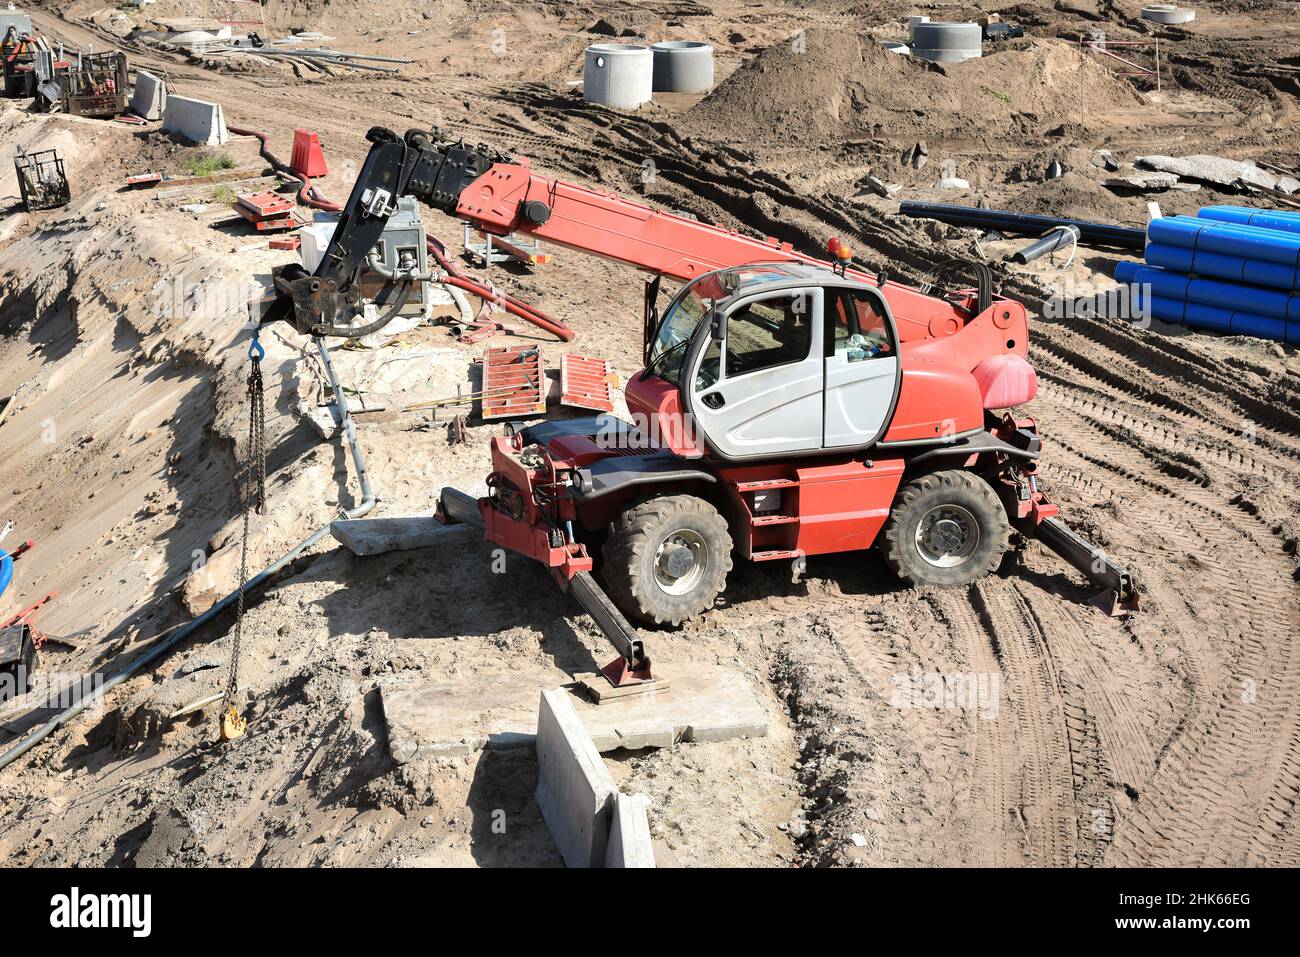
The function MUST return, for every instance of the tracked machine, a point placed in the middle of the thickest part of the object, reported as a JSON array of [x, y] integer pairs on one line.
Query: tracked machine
[[789, 406]]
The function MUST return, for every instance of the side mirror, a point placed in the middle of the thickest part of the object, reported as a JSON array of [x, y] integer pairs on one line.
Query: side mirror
[[718, 327]]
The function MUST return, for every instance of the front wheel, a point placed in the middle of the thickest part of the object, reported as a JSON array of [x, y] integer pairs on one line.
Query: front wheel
[[666, 560], [946, 528]]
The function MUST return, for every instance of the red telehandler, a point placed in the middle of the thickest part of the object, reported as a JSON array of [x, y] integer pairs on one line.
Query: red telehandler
[[788, 407]]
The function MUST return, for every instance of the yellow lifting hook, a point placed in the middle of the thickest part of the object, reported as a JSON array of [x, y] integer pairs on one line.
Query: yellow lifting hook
[[232, 724]]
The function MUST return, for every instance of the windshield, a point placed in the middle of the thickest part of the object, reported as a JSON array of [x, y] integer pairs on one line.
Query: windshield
[[675, 330], [691, 305]]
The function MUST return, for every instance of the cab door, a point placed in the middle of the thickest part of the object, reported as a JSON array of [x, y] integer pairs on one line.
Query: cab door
[[861, 367], [758, 390]]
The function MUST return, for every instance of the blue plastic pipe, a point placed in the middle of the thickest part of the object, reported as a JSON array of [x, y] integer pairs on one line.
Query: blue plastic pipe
[[1213, 318], [1271, 303], [1246, 216], [1220, 266], [6, 570], [1228, 239]]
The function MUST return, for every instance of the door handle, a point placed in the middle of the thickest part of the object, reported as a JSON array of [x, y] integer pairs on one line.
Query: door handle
[[714, 400]]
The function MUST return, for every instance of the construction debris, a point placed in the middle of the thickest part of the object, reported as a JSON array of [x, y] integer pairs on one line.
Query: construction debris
[[266, 211], [1227, 173], [393, 533], [450, 716], [18, 661], [94, 84], [504, 249]]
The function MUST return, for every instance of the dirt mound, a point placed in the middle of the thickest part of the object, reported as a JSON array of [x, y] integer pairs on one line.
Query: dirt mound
[[829, 83]]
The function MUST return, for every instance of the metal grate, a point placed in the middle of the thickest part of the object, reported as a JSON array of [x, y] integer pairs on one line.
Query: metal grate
[[586, 382], [513, 382]]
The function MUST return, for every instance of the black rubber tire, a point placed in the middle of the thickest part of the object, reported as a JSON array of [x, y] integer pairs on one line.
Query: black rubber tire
[[915, 501], [633, 544]]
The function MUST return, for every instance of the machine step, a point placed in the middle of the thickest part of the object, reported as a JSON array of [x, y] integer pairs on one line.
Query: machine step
[[775, 555], [765, 484], [765, 520]]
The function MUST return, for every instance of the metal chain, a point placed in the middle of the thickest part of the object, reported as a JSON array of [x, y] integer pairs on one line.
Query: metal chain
[[252, 494]]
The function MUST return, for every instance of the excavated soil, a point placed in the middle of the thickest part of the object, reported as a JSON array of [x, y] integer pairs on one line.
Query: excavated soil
[[1170, 737]]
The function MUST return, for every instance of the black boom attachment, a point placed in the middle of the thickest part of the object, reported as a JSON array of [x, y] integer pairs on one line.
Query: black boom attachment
[[423, 164]]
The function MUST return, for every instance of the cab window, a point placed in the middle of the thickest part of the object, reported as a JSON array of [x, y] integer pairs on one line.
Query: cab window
[[858, 330], [768, 332]]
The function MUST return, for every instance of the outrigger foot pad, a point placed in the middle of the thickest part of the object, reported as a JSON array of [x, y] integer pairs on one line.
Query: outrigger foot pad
[[621, 672]]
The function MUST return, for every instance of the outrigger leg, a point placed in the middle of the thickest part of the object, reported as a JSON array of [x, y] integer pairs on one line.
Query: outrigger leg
[[632, 666]]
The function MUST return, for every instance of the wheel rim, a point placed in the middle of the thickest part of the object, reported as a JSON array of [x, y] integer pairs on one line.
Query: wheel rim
[[680, 561], [947, 535]]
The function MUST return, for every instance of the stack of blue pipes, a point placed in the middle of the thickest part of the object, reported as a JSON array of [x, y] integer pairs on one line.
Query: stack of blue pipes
[[1228, 269]]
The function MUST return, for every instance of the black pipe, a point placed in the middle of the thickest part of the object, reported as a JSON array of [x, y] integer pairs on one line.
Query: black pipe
[[1054, 240], [1027, 224]]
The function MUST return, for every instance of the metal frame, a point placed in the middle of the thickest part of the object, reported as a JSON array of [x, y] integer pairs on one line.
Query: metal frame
[[42, 181], [94, 84], [505, 249]]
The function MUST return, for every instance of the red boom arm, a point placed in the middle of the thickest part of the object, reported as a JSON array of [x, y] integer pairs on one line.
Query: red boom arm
[[510, 197]]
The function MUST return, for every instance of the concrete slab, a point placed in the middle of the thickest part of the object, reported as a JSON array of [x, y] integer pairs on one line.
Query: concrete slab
[[149, 98], [1214, 169], [575, 792], [197, 120], [456, 716], [630, 844], [397, 533]]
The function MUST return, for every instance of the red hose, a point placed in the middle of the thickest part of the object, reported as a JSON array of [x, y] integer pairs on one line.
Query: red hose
[[307, 194], [517, 309], [457, 276]]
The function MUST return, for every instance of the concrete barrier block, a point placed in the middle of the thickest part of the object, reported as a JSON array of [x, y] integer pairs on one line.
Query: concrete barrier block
[[198, 121], [149, 99], [629, 833], [574, 789]]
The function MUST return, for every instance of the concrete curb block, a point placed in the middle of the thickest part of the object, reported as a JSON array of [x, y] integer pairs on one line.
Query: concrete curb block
[[198, 121], [149, 99], [574, 789], [629, 833]]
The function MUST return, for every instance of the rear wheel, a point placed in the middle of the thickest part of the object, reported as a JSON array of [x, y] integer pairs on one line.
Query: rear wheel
[[667, 559], [946, 528]]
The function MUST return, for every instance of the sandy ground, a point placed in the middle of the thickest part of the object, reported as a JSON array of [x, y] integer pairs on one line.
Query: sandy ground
[[1170, 737]]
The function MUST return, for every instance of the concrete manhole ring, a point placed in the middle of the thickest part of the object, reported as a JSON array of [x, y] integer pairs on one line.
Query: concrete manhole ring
[[1168, 13]]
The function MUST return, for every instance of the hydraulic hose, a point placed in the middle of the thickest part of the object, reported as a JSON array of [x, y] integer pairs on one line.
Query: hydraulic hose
[[356, 332], [253, 585]]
